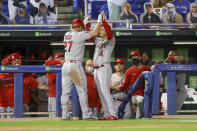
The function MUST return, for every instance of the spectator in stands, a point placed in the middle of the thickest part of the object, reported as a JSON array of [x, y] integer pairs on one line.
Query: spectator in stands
[[44, 16], [114, 7], [3, 18], [127, 13], [171, 16], [22, 17], [13, 6], [34, 6], [148, 16], [182, 7], [192, 16]]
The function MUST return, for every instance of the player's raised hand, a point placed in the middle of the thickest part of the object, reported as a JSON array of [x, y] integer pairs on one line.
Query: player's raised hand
[[86, 19], [100, 18], [103, 14]]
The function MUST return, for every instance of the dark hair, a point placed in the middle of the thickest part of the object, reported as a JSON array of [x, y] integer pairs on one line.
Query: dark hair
[[147, 53], [43, 5]]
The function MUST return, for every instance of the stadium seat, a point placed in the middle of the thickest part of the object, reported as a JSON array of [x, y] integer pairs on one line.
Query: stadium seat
[[96, 6], [76, 4], [137, 6], [4, 8]]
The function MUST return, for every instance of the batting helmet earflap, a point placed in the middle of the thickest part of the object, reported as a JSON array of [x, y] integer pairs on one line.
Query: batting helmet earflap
[[77, 23], [119, 61], [58, 55], [134, 53]]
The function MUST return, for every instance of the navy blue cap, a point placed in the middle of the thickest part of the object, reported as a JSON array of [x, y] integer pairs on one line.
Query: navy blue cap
[[148, 4]]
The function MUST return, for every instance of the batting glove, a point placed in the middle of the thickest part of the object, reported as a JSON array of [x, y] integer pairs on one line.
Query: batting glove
[[100, 18], [86, 20]]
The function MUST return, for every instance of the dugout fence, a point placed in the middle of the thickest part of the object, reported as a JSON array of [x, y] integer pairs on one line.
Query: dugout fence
[[18, 85]]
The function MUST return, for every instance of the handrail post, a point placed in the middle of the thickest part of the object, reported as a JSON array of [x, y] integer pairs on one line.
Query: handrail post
[[171, 93], [18, 95], [58, 94]]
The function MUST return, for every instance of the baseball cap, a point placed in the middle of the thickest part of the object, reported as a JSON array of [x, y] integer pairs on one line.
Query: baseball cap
[[58, 55], [148, 4], [134, 53], [119, 61], [14, 56]]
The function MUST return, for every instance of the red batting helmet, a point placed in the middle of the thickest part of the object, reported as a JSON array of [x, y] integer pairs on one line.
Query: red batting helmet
[[119, 61], [5, 61], [77, 23], [14, 56], [58, 55], [134, 53]]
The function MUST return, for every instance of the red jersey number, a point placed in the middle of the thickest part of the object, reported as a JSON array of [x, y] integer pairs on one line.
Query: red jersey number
[[68, 45]]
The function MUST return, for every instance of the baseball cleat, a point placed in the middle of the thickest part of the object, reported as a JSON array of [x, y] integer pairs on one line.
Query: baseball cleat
[[102, 118], [111, 118]]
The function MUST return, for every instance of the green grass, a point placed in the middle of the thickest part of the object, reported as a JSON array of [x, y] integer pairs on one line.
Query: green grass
[[80, 122], [123, 123], [127, 129]]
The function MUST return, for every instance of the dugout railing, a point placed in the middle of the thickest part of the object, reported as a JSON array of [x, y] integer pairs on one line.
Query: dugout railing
[[18, 84], [170, 70]]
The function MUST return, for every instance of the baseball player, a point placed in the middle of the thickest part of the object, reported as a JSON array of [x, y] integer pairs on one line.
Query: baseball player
[[72, 70], [131, 75], [103, 71], [28, 82], [58, 60], [181, 91], [116, 80], [93, 97], [6, 82], [7, 85]]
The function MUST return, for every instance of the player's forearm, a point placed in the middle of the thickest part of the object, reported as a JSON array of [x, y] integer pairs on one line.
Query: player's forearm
[[43, 87], [95, 32], [108, 30]]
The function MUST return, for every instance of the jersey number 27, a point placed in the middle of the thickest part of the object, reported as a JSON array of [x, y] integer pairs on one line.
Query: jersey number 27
[[68, 45]]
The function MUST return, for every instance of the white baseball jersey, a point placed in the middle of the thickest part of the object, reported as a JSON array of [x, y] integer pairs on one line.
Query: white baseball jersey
[[117, 78], [74, 43], [103, 51], [118, 96]]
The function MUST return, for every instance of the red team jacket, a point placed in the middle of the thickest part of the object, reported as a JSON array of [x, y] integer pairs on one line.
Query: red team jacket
[[6, 89], [93, 98], [28, 83], [131, 76], [52, 78]]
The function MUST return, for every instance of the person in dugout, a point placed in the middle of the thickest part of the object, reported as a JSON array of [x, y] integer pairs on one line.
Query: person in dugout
[[93, 97], [181, 91], [58, 60], [117, 95], [131, 75], [28, 83]]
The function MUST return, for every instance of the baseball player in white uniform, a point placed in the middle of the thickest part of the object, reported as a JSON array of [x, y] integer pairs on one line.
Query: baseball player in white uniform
[[102, 73], [118, 96], [72, 70]]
